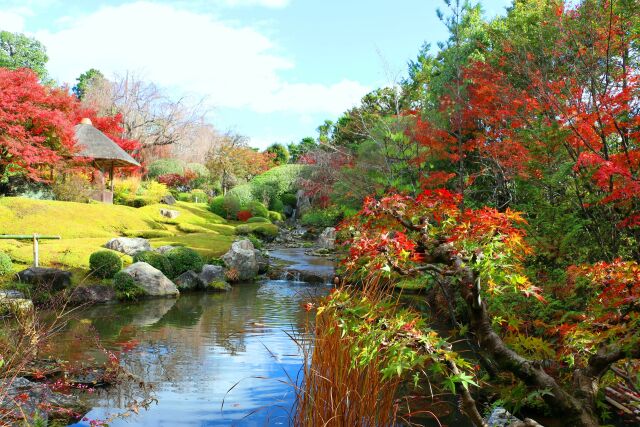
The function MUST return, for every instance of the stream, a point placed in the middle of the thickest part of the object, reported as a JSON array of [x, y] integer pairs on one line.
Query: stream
[[203, 349]]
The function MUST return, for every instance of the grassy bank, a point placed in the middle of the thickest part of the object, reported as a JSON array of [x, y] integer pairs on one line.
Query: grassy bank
[[84, 228]]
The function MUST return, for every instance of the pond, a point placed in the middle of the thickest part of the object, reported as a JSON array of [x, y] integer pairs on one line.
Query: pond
[[199, 350]]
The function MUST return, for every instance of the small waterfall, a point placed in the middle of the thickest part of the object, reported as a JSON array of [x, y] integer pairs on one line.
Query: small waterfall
[[296, 276], [283, 275]]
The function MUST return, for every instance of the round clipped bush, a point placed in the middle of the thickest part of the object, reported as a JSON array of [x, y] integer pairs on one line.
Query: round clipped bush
[[217, 206], [184, 259], [105, 264], [258, 209], [276, 205], [243, 230], [126, 288], [164, 167], [198, 195], [6, 266], [231, 206], [275, 216], [155, 260], [258, 219]]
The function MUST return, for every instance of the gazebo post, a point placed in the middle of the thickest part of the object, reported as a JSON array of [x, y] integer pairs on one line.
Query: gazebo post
[[111, 175]]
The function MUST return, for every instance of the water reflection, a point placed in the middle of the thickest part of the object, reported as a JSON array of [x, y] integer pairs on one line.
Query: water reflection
[[197, 348]]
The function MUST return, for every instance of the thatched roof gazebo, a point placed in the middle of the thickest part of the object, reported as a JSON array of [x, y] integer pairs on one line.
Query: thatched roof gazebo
[[105, 154]]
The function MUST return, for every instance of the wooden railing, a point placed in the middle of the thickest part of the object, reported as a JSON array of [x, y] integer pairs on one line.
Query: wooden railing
[[34, 237]]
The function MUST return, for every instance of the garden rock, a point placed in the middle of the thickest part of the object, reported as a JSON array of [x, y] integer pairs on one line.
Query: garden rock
[[15, 304], [51, 278], [164, 249], [242, 258], [211, 273], [26, 398], [168, 200], [128, 245], [169, 213], [189, 281], [263, 262], [500, 417], [303, 204], [151, 280], [327, 239], [219, 286], [92, 294]]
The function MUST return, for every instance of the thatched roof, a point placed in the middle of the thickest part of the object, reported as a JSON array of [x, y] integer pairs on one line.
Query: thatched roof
[[96, 145]]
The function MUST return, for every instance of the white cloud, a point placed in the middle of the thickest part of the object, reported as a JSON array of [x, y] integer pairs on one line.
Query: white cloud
[[265, 3], [11, 21], [232, 66]]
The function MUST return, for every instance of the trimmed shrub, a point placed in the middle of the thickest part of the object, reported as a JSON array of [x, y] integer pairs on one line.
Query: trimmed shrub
[[258, 219], [243, 193], [182, 197], [126, 287], [155, 190], [141, 201], [6, 266], [243, 230], [155, 260], [231, 206], [276, 205], [105, 264], [184, 259], [164, 167], [289, 199], [244, 216], [217, 206], [266, 232], [275, 216], [258, 209]]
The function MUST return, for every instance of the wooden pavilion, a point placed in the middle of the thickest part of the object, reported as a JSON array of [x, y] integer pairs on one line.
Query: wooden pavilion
[[105, 156]]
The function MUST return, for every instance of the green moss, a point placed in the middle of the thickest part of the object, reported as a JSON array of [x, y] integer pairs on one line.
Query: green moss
[[218, 286], [190, 228], [126, 287], [147, 234]]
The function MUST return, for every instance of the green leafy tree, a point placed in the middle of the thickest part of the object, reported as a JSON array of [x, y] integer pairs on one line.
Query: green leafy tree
[[280, 152], [20, 51], [85, 81], [298, 150]]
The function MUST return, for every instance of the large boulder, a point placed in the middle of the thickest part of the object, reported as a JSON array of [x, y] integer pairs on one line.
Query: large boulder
[[92, 294], [303, 203], [128, 245], [189, 281], [151, 280], [164, 249], [242, 258], [51, 278], [327, 239], [169, 213], [168, 200], [211, 273]]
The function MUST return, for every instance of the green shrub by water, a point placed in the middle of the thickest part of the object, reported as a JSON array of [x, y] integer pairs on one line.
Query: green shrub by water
[[321, 218], [155, 260], [6, 266], [270, 185], [243, 230], [126, 288], [267, 231], [184, 259], [276, 205], [105, 264], [289, 199], [257, 243]]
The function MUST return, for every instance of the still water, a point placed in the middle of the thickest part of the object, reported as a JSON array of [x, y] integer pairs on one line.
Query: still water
[[197, 351]]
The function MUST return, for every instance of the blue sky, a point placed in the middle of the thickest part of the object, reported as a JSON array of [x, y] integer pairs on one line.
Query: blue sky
[[269, 69]]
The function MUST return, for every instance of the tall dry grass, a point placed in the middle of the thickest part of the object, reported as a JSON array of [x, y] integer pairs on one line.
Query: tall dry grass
[[335, 392]]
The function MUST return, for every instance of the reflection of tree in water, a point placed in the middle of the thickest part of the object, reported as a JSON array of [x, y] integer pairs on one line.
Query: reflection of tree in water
[[175, 339]]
